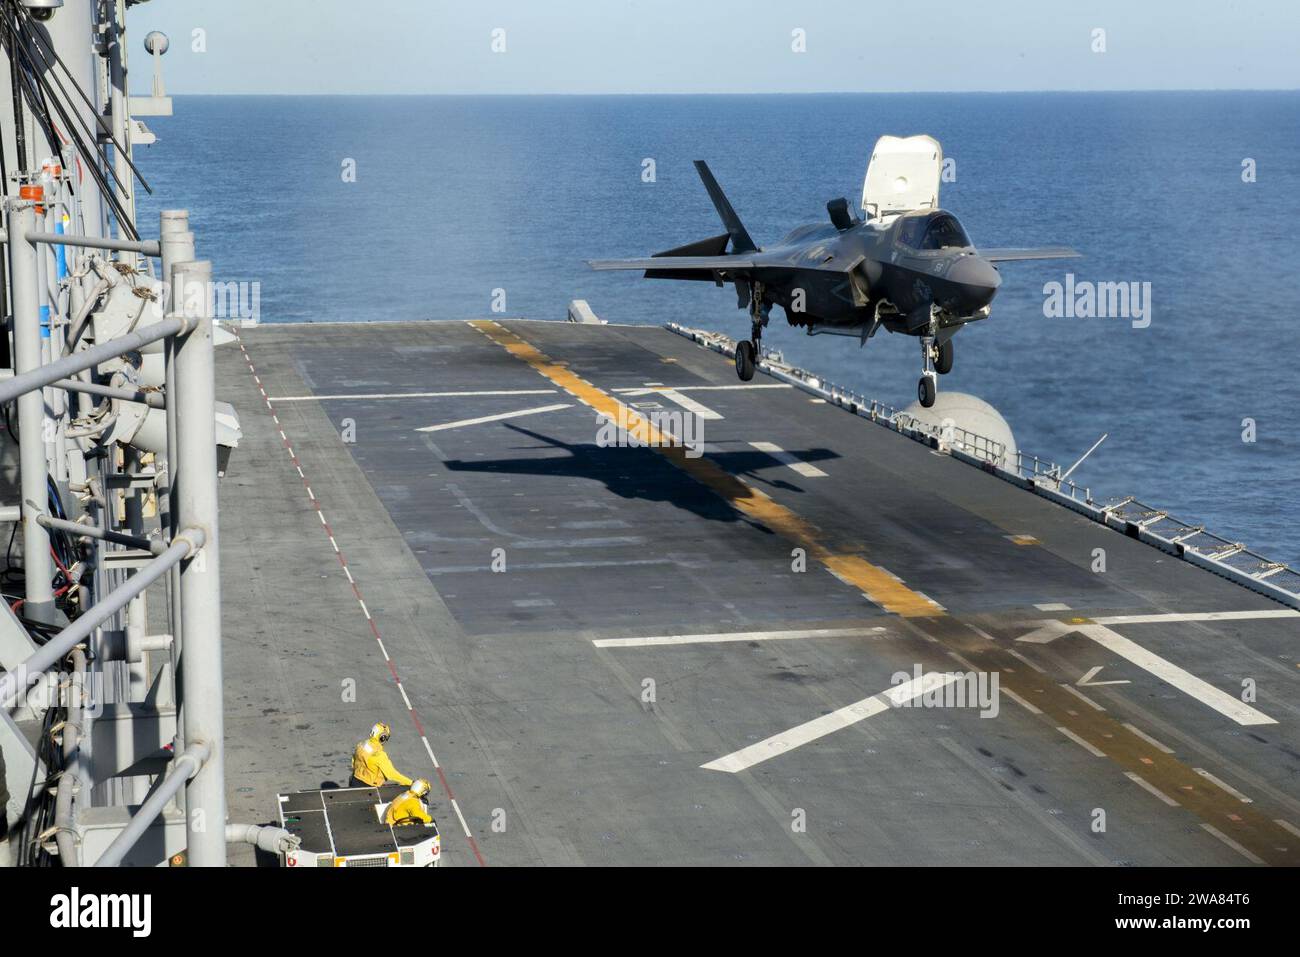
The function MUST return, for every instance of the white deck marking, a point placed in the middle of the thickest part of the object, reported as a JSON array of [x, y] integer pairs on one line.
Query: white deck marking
[[645, 390], [732, 636], [1020, 701], [1090, 748], [1149, 661], [463, 826], [1082, 697], [1288, 827], [1087, 682], [791, 461], [1223, 785], [1045, 632], [1025, 661], [835, 721], [1198, 616], [496, 418], [410, 395], [1233, 844], [1053, 606], [1148, 739], [697, 409], [1148, 786], [1170, 673]]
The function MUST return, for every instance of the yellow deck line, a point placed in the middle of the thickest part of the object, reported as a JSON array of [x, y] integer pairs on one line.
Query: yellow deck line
[[876, 583]]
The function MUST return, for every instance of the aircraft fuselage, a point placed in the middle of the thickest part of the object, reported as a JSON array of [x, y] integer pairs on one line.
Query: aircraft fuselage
[[843, 280]]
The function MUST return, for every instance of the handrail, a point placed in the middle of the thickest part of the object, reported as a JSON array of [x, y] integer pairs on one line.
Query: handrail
[[186, 544], [143, 247], [51, 373]]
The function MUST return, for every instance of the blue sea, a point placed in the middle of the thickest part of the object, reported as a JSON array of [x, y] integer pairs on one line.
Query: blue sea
[[456, 197]]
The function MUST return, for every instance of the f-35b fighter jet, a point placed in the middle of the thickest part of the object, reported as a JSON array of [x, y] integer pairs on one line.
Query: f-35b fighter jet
[[906, 266]]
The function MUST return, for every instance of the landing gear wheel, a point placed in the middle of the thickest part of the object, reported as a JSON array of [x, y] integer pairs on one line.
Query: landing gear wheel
[[745, 360], [925, 391], [943, 358]]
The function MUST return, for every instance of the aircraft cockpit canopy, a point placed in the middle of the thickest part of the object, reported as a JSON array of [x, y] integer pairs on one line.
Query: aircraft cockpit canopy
[[932, 231]]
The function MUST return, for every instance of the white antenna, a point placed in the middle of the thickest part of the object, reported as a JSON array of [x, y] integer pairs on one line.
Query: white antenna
[[1083, 456]]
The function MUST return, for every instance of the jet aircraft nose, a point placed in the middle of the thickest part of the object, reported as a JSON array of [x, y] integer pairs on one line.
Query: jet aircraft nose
[[978, 279]]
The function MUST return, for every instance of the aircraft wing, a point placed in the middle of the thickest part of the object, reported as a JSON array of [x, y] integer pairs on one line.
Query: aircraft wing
[[1015, 255], [701, 263]]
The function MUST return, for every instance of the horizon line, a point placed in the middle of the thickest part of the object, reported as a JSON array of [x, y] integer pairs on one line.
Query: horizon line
[[1242, 89]]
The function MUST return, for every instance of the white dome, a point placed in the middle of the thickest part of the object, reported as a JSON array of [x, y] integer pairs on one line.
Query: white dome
[[967, 412]]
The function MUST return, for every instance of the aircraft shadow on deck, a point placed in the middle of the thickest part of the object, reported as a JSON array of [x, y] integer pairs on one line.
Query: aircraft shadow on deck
[[642, 473]]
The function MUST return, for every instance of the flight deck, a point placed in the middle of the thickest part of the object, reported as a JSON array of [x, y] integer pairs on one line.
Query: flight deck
[[739, 653]]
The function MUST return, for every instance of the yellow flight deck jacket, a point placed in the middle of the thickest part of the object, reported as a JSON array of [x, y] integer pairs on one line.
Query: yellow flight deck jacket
[[407, 809], [370, 763]]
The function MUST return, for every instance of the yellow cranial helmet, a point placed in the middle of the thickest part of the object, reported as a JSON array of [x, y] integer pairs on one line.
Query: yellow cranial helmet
[[419, 787], [381, 731]]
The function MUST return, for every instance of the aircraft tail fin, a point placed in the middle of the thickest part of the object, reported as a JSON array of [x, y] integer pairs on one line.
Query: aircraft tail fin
[[740, 241]]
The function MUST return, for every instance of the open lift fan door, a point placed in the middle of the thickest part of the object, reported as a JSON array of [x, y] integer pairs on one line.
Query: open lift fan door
[[903, 175]]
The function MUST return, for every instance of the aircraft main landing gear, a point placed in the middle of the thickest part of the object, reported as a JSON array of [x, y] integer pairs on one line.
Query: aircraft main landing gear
[[928, 386], [747, 352], [943, 358], [745, 358]]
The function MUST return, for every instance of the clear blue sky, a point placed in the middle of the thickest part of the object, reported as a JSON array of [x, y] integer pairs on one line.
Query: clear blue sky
[[718, 46]]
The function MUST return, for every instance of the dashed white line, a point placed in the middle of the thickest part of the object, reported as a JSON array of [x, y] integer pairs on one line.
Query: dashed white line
[[1087, 746], [1223, 785], [1253, 858], [1288, 827], [1151, 788], [428, 747], [1081, 696], [1020, 701], [1148, 739], [456, 807], [1021, 658]]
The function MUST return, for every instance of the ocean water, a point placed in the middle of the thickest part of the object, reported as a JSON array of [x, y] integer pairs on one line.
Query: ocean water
[[456, 197]]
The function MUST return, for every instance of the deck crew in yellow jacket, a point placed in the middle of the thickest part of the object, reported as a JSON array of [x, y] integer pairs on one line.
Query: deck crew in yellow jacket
[[409, 807], [371, 766]]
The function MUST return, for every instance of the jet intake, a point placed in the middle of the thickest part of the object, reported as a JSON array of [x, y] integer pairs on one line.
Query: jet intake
[[840, 215]]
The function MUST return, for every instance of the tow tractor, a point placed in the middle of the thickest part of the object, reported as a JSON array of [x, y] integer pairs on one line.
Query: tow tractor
[[344, 827]]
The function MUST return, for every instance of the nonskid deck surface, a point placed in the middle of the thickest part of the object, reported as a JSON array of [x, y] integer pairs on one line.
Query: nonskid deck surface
[[611, 656]]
